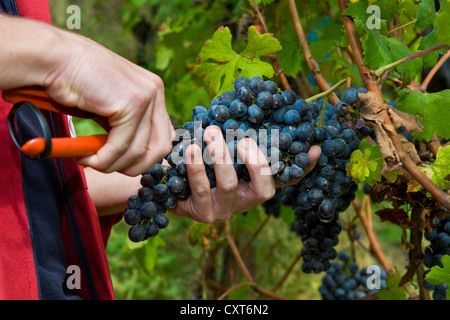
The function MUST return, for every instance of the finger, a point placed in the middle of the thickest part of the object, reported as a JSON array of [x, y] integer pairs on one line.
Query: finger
[[225, 174], [131, 149], [119, 139], [199, 205], [314, 153], [261, 186], [160, 134]]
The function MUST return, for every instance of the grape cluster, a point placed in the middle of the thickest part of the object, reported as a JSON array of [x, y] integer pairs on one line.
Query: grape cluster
[[284, 128], [162, 186], [345, 281], [439, 238], [272, 206], [327, 190]]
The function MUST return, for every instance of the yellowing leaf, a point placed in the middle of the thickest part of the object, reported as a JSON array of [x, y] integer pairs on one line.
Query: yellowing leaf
[[440, 169], [438, 172], [365, 164]]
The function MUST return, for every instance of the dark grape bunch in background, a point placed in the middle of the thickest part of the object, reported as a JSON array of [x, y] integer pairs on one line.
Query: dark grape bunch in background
[[291, 126], [346, 281], [439, 238]]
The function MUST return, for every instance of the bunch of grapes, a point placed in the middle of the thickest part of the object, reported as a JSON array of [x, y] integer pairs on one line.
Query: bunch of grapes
[[345, 281], [285, 128], [439, 238]]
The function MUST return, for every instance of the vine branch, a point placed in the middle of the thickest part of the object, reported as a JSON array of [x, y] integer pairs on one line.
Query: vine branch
[[433, 71], [276, 65], [243, 267], [312, 64], [374, 244], [368, 79]]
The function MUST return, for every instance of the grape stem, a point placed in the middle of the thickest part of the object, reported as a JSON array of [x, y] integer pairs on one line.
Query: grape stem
[[370, 82], [327, 92], [324, 107], [383, 69], [402, 26]]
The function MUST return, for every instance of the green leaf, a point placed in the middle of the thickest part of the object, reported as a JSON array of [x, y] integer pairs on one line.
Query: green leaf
[[438, 275], [291, 58], [430, 40], [440, 169], [443, 25], [392, 290], [376, 50], [408, 70], [357, 10], [220, 65], [427, 14], [365, 164], [441, 29], [430, 108]]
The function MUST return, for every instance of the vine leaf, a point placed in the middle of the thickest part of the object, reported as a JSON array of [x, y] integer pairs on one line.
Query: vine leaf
[[438, 172], [376, 50], [220, 65], [430, 108], [392, 291], [438, 275], [365, 164], [442, 23], [427, 14], [408, 70], [440, 33], [289, 58]]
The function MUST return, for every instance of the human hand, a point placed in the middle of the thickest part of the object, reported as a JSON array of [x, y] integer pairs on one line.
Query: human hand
[[230, 194], [93, 78]]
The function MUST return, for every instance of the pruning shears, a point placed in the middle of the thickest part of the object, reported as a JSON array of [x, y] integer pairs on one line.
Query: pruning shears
[[36, 98]]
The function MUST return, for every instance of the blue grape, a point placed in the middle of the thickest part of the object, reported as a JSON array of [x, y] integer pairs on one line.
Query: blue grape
[[291, 117], [350, 95], [255, 114], [238, 109]]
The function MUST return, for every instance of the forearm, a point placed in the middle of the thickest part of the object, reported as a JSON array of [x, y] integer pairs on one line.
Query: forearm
[[110, 192], [27, 51]]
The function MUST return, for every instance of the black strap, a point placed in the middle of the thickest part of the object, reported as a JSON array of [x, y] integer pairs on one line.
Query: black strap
[[9, 6]]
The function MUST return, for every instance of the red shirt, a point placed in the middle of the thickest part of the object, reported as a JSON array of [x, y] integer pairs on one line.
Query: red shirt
[[35, 253]]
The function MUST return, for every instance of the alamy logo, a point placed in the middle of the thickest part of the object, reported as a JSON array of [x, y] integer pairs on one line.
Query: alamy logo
[[74, 277], [74, 20], [374, 277], [373, 22]]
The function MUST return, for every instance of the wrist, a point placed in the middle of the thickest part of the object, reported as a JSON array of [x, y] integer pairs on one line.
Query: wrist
[[28, 58]]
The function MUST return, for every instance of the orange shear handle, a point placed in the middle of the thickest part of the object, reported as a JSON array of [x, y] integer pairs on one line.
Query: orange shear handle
[[60, 147]]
